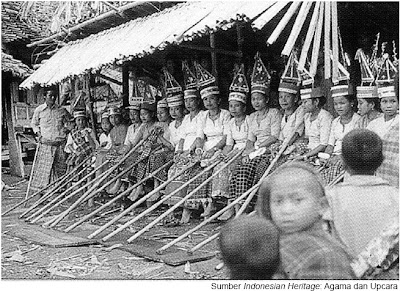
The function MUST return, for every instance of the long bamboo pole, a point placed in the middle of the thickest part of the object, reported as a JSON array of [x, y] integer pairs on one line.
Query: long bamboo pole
[[212, 217], [32, 169], [327, 40], [124, 193], [298, 24], [251, 192], [66, 197], [335, 43], [67, 177], [317, 41], [137, 203], [49, 203], [309, 36], [95, 185], [154, 222], [282, 23]]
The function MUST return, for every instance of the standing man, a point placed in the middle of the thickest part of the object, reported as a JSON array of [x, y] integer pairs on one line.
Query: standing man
[[48, 123]]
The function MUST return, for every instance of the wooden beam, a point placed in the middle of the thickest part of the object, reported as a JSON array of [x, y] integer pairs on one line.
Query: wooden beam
[[213, 57], [240, 40], [88, 22], [90, 105], [335, 44], [109, 79], [208, 49], [125, 85], [16, 163], [317, 41], [327, 40]]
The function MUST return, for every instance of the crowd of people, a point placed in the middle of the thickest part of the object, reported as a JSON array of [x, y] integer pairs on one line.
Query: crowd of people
[[313, 228]]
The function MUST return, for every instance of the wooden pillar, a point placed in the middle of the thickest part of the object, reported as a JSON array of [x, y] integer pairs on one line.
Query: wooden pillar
[[240, 40], [125, 85], [213, 57], [90, 105], [16, 163]]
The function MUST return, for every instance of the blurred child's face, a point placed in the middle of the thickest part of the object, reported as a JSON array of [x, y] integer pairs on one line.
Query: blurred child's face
[[146, 115], [237, 108], [309, 105], [258, 101], [389, 105], [342, 105], [295, 203], [162, 114], [105, 124], [364, 107], [176, 112], [115, 119], [134, 116], [287, 101], [211, 102], [192, 104], [80, 122]]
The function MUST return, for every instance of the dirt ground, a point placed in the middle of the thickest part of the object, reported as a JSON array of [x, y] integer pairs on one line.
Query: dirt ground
[[23, 259]]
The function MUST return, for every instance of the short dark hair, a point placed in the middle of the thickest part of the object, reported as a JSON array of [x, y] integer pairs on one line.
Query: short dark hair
[[362, 150], [250, 248], [264, 192], [322, 101]]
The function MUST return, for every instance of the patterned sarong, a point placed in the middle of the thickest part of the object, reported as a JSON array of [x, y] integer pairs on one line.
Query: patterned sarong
[[49, 165]]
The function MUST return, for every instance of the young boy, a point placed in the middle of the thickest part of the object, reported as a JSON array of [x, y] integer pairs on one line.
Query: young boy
[[250, 248], [295, 205], [363, 204]]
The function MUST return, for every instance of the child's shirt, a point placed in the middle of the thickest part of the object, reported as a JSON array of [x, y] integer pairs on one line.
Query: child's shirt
[[360, 208], [339, 130], [317, 131], [382, 127], [313, 254]]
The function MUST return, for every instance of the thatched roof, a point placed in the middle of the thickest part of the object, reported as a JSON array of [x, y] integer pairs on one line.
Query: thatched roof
[[15, 29], [144, 36], [15, 67]]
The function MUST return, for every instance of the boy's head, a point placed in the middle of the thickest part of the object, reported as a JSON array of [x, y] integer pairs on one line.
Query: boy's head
[[250, 248], [362, 151], [293, 197]]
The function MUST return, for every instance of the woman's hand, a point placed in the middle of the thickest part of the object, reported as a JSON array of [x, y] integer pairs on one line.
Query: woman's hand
[[208, 154], [333, 160]]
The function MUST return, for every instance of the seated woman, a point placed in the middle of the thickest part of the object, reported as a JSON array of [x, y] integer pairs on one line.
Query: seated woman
[[117, 135], [156, 135], [176, 108], [163, 114], [387, 127], [236, 136], [347, 120], [292, 120], [368, 105], [81, 141], [264, 129], [317, 124]]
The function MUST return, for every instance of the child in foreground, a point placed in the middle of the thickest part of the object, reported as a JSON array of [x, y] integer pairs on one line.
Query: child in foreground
[[363, 204], [250, 248], [295, 206]]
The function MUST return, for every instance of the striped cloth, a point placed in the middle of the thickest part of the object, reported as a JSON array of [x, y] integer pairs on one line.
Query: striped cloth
[[50, 164], [389, 170], [331, 173]]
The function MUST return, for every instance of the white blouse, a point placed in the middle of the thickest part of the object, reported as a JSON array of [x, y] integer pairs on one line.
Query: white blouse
[[338, 131], [213, 130], [189, 129], [175, 133], [381, 127], [317, 131], [237, 135], [130, 134], [296, 120], [105, 138], [269, 126]]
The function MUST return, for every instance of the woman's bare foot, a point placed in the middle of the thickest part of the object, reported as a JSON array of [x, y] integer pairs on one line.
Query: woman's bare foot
[[185, 216], [136, 193], [207, 210], [114, 189], [227, 215]]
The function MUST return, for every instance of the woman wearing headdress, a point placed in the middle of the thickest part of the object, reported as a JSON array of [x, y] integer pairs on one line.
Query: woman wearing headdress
[[264, 130], [236, 136], [81, 141], [343, 103], [317, 125], [156, 136], [368, 105], [163, 114]]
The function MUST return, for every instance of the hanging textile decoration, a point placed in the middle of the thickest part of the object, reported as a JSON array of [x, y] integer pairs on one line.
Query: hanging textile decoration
[[204, 77], [260, 78], [189, 78], [136, 97], [171, 85], [367, 77], [386, 72]]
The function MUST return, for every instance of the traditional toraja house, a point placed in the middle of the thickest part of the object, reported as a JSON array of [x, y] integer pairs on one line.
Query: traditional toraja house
[[17, 106]]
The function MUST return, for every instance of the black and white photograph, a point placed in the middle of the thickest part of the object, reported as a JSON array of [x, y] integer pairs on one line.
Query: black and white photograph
[[215, 145]]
